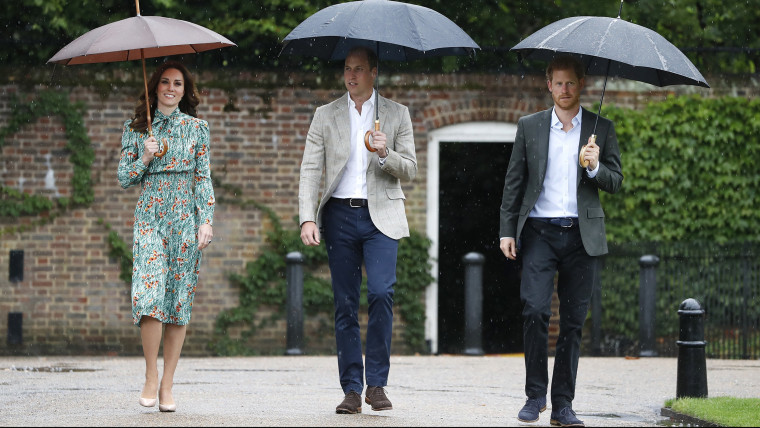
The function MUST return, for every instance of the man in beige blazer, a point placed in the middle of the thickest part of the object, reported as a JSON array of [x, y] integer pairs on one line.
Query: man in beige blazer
[[361, 216]]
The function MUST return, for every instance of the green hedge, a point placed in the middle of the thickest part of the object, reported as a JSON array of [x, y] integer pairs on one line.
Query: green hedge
[[691, 171], [689, 196]]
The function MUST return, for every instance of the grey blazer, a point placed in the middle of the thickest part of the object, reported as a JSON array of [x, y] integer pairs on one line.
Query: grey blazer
[[527, 169], [328, 148]]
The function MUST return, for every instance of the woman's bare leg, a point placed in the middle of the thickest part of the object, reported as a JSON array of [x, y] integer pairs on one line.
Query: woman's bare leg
[[174, 338], [150, 332]]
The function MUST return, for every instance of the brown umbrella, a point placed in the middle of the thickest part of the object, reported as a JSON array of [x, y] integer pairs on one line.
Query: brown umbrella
[[140, 37]]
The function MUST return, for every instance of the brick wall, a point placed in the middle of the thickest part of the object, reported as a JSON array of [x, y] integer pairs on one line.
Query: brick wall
[[71, 297]]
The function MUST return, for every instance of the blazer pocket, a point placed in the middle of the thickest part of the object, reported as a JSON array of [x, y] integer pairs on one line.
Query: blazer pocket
[[395, 193], [595, 213]]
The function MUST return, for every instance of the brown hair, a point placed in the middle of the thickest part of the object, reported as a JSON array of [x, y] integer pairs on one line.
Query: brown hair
[[371, 55], [565, 62], [187, 105]]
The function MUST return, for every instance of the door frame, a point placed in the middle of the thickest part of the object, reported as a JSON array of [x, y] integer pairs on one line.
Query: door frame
[[469, 132]]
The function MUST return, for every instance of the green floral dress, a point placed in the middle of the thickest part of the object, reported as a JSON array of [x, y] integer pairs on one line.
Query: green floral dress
[[177, 197]]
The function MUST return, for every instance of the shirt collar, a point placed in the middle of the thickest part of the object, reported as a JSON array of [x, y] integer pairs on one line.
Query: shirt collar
[[576, 119], [159, 115], [371, 101]]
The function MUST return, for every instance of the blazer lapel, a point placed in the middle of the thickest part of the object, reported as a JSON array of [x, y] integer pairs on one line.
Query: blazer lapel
[[544, 128], [342, 123]]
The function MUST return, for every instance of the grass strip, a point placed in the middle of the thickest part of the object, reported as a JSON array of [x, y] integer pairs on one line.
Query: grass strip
[[724, 411]]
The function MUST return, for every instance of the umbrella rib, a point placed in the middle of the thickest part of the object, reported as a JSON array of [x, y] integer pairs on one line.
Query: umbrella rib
[[355, 11], [411, 19], [541, 45], [663, 60], [145, 22], [604, 37]]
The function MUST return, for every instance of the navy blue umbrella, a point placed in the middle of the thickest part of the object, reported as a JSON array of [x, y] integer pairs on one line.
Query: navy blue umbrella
[[394, 30], [613, 47]]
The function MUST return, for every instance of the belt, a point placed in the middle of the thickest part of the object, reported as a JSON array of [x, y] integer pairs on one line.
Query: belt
[[558, 221], [351, 202]]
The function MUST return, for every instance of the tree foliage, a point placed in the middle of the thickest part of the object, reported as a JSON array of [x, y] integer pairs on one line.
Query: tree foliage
[[718, 36]]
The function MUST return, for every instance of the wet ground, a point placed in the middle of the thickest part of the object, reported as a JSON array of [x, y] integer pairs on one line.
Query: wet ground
[[304, 390]]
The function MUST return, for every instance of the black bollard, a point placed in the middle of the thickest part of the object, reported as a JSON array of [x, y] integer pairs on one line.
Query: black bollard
[[295, 303], [692, 368], [473, 303], [647, 305]]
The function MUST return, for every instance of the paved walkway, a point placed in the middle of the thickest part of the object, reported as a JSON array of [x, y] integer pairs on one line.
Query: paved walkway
[[303, 391]]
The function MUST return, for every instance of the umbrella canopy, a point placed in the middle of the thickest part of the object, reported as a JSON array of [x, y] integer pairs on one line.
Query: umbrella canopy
[[140, 37], [614, 47], [393, 30]]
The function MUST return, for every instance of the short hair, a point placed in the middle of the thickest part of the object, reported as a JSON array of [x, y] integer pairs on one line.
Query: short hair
[[371, 55], [565, 62]]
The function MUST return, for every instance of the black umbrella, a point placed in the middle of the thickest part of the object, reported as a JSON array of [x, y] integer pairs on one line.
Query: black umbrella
[[394, 30], [613, 47]]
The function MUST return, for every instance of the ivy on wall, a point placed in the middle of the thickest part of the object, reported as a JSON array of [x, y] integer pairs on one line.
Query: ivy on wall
[[691, 170], [119, 250], [263, 285], [17, 204], [49, 103]]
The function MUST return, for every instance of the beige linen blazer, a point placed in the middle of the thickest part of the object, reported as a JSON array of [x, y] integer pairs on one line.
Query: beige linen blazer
[[327, 150]]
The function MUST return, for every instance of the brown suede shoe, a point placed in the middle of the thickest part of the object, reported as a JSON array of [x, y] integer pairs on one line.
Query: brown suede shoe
[[351, 404], [377, 399]]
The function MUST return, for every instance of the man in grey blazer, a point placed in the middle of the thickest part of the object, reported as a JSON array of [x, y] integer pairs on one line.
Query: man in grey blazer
[[361, 216], [551, 213]]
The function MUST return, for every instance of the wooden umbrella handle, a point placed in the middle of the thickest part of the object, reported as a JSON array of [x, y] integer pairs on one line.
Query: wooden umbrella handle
[[583, 162], [164, 149], [368, 135]]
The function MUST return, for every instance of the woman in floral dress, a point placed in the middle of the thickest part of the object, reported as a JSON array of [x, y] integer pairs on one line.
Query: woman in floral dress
[[173, 219]]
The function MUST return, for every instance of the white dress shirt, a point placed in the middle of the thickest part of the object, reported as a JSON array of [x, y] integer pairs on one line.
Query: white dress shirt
[[353, 184], [558, 195]]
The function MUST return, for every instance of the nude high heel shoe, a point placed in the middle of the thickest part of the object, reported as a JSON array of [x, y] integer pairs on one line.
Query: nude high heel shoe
[[148, 402], [167, 407]]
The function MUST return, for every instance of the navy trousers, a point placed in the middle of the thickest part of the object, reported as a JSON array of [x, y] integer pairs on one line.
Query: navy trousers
[[352, 240], [547, 250]]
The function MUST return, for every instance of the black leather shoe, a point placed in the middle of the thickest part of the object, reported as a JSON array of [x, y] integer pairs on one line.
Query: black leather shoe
[[376, 398], [531, 409], [566, 418], [352, 404]]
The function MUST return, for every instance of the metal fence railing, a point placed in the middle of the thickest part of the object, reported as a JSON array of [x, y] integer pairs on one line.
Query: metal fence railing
[[725, 279]]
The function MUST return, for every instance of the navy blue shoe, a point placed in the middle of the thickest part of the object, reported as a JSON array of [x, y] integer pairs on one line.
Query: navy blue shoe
[[531, 409], [566, 418]]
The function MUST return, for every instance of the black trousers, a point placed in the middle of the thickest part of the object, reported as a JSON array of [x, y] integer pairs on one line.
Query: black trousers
[[547, 250]]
